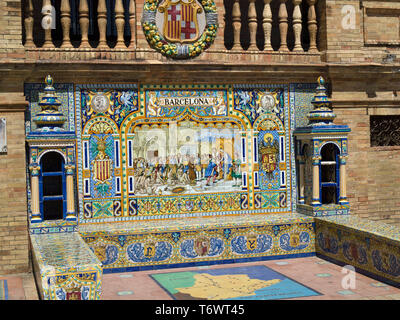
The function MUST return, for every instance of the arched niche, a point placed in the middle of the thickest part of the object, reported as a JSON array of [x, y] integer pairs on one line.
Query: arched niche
[[52, 194], [329, 173]]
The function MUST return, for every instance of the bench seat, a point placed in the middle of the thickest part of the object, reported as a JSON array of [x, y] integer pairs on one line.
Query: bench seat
[[65, 267], [149, 244], [372, 247]]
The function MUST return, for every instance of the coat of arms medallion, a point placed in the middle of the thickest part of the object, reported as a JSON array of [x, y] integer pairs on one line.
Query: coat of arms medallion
[[180, 29]]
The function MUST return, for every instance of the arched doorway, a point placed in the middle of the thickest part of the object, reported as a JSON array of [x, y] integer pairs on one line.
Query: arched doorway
[[52, 192]]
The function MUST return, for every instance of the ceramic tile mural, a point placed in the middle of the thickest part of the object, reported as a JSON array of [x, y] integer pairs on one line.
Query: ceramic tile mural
[[134, 245], [174, 151], [53, 226], [167, 151], [101, 111], [302, 95]]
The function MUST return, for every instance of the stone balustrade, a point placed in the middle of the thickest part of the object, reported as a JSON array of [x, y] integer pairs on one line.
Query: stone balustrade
[[282, 23], [79, 24], [111, 30]]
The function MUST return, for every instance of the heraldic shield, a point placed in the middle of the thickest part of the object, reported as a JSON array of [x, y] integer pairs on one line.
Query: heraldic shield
[[102, 169], [269, 153], [102, 164], [181, 20]]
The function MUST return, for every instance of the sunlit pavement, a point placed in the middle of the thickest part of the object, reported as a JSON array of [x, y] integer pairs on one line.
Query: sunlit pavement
[[312, 272]]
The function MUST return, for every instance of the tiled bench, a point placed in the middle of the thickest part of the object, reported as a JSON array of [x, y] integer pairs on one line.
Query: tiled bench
[[372, 247], [151, 244], [65, 268]]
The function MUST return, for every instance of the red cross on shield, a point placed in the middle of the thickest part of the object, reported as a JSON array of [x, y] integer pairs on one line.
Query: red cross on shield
[[180, 20]]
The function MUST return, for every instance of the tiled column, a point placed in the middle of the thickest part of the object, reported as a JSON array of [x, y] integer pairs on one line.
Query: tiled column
[[301, 180], [343, 191], [69, 170], [35, 209], [256, 168], [316, 160]]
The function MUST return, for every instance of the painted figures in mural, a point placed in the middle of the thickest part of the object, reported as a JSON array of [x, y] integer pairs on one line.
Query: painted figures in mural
[[186, 144], [183, 159]]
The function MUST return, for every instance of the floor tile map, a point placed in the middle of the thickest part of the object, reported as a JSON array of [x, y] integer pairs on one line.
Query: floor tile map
[[239, 283]]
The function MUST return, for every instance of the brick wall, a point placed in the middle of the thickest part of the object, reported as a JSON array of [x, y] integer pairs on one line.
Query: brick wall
[[373, 172], [10, 23], [10, 30], [14, 246], [384, 177], [350, 26], [357, 163], [383, 184]]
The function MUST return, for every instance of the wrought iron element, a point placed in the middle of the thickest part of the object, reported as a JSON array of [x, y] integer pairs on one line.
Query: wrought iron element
[[385, 130]]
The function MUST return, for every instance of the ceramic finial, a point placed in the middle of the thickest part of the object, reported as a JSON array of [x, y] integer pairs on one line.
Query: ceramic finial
[[321, 81], [49, 80]]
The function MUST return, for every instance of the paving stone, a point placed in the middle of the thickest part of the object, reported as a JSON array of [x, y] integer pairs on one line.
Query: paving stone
[[124, 293], [281, 263], [345, 292], [324, 275]]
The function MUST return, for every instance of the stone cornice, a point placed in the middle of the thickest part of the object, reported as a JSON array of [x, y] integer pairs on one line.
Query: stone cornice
[[12, 102], [356, 85]]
